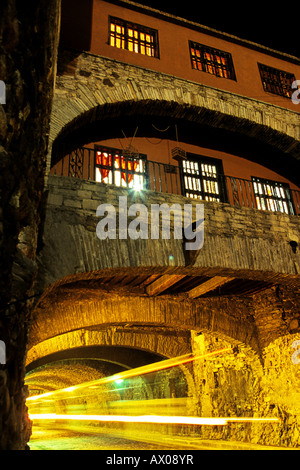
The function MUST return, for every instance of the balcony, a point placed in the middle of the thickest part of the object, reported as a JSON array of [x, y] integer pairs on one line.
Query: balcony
[[136, 172]]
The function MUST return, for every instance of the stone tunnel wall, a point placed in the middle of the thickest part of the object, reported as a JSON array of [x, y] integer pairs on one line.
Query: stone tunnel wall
[[29, 33], [247, 384], [240, 385], [61, 324]]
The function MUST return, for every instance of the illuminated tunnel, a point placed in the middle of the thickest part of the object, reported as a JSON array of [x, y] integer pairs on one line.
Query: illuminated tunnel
[[73, 366]]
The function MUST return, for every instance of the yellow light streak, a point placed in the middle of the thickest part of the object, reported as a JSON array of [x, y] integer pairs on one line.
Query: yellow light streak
[[155, 367], [247, 419], [190, 420], [70, 389], [63, 394], [133, 419]]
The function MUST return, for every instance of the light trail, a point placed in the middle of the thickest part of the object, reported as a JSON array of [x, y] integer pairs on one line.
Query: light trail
[[47, 401], [150, 419], [155, 367], [133, 419]]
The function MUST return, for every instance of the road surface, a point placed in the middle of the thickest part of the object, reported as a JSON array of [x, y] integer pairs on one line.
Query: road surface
[[70, 439], [81, 437]]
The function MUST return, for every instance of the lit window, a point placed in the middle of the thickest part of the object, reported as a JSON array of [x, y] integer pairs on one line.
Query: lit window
[[116, 167], [201, 178], [272, 196], [276, 81], [133, 37], [213, 61]]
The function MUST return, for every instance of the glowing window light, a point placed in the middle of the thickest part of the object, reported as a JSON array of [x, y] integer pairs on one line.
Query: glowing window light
[[133, 37]]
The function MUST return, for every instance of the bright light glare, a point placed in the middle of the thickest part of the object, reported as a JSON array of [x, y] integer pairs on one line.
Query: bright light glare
[[150, 419], [119, 381], [133, 419], [70, 389]]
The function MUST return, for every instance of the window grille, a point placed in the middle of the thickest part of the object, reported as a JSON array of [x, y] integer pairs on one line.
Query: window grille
[[202, 178], [115, 167], [212, 61], [273, 196], [276, 81], [133, 37]]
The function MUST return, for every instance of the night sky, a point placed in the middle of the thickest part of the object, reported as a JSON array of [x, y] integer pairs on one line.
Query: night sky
[[272, 24]]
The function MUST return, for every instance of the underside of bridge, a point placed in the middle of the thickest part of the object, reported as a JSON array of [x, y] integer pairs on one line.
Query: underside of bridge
[[87, 329]]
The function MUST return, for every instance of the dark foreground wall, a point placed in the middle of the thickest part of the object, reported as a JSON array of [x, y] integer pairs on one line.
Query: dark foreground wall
[[28, 49]]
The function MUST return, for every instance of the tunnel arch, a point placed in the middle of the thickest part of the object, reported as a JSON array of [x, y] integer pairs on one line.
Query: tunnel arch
[[65, 318], [95, 360], [122, 356]]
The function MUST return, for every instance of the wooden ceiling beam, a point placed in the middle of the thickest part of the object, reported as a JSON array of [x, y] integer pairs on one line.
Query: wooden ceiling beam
[[208, 286], [163, 283]]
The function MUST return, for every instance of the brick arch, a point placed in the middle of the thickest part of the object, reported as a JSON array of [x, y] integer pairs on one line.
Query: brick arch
[[111, 88]]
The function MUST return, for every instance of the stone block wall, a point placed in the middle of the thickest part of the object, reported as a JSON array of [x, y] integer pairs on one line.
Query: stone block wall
[[242, 242]]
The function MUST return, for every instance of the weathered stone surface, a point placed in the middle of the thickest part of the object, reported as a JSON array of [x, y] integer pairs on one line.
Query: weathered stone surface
[[238, 242], [237, 384], [29, 41], [113, 88], [54, 325]]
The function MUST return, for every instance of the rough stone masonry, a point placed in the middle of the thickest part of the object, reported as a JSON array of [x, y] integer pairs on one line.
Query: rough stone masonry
[[28, 54]]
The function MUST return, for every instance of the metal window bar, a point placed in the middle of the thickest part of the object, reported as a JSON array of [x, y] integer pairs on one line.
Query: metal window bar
[[274, 196], [213, 61], [113, 167], [276, 81], [133, 37]]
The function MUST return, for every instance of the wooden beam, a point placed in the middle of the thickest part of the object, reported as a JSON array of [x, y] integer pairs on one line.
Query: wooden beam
[[208, 286], [163, 283]]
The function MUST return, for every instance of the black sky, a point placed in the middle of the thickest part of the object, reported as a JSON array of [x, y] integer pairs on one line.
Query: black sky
[[272, 24]]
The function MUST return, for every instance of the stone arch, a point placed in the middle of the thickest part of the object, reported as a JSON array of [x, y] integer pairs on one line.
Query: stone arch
[[80, 316], [129, 350], [142, 339], [113, 89]]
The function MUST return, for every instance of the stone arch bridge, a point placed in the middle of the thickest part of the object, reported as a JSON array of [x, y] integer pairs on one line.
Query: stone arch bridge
[[131, 302], [147, 295], [94, 96]]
